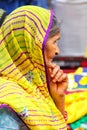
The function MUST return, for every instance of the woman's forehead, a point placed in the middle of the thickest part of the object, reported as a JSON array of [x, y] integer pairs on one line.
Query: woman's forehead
[[56, 36]]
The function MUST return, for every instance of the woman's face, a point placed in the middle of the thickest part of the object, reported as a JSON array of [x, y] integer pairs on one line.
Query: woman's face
[[51, 49]]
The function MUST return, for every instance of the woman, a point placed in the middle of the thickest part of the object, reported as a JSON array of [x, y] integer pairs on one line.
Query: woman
[[30, 84]]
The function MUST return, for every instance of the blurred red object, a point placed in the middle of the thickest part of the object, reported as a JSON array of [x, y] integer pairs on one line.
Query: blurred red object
[[69, 128]]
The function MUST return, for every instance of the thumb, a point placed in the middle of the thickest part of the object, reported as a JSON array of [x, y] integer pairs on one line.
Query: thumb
[[50, 70], [51, 65]]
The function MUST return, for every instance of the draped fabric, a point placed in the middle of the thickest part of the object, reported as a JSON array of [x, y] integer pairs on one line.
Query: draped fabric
[[23, 77], [76, 95]]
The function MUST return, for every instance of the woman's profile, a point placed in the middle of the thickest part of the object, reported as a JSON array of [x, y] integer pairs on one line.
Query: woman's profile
[[32, 85]]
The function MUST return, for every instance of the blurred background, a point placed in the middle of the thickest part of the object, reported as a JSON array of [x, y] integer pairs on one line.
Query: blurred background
[[73, 43], [10, 5]]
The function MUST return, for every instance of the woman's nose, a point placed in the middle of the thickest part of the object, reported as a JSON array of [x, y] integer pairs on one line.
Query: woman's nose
[[57, 51]]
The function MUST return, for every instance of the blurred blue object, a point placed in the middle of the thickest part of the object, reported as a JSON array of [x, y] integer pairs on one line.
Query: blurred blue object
[[41, 3], [10, 5]]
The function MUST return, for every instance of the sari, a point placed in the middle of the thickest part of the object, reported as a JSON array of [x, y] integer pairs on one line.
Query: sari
[[23, 72]]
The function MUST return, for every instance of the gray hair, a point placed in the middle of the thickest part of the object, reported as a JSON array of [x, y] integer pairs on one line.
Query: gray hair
[[55, 28]]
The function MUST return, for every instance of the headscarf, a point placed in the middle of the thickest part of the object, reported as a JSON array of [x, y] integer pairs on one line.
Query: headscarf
[[23, 80]]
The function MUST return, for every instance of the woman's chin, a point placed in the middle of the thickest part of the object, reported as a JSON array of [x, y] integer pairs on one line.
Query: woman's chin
[[48, 63]]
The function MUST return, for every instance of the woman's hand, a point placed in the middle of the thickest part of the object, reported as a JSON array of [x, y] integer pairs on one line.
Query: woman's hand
[[58, 85], [58, 79]]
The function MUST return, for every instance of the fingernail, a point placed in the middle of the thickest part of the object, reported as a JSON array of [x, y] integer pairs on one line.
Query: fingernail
[[54, 81], [51, 75]]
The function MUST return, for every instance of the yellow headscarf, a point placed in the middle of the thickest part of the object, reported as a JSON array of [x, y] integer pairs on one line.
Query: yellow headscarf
[[23, 82]]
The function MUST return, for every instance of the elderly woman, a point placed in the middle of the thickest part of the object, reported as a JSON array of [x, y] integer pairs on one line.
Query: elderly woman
[[32, 87]]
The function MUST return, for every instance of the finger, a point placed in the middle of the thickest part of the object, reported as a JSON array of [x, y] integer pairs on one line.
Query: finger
[[55, 71], [52, 65], [63, 77], [57, 76], [50, 68]]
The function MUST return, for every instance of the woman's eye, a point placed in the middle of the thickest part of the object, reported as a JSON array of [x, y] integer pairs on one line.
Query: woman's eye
[[55, 42]]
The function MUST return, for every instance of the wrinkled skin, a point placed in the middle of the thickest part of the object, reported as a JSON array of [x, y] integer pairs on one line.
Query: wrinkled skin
[[57, 78]]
